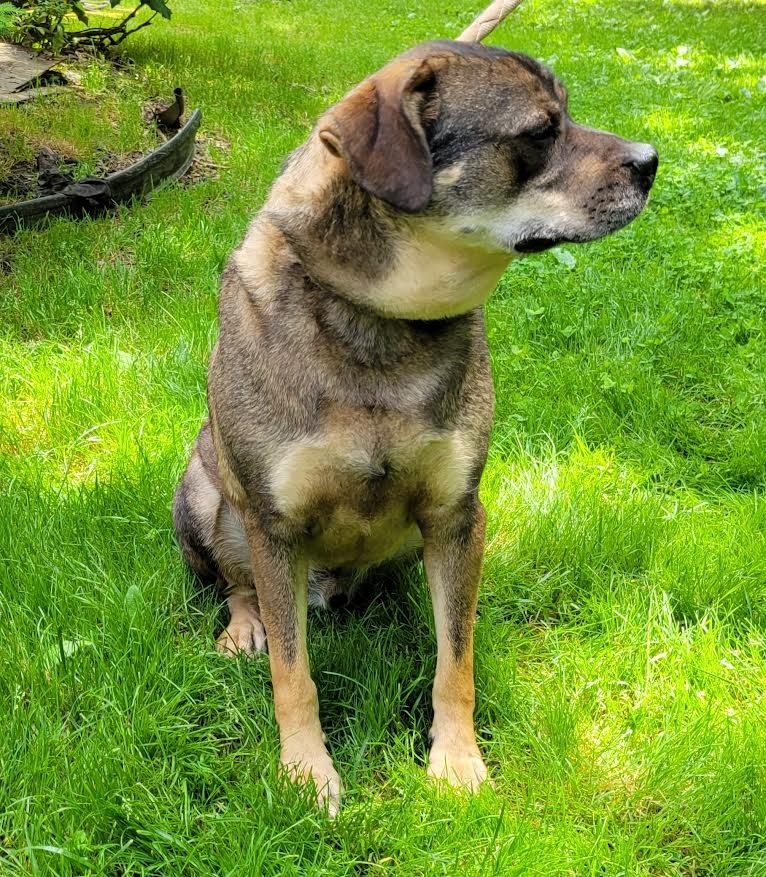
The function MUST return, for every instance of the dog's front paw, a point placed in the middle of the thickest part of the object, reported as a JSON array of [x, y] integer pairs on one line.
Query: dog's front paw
[[461, 766], [314, 766], [246, 635]]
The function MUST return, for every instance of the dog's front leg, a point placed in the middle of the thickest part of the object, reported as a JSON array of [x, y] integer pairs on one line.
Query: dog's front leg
[[452, 552], [281, 578]]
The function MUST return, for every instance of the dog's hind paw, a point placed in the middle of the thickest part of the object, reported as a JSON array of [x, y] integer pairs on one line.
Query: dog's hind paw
[[246, 636]]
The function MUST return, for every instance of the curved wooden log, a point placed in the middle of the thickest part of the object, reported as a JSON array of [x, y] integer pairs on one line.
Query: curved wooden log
[[87, 197]]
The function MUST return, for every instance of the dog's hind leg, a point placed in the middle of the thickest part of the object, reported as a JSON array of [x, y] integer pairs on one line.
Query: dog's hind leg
[[245, 631], [193, 505], [214, 545]]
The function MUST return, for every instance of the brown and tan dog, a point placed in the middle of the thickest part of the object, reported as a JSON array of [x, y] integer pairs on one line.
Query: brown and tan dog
[[350, 391]]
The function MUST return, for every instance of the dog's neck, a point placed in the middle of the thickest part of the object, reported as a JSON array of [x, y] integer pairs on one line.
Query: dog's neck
[[366, 337], [278, 282], [399, 266], [433, 277]]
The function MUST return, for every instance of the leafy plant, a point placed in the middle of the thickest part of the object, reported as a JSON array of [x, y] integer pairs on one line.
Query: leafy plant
[[9, 15], [43, 23]]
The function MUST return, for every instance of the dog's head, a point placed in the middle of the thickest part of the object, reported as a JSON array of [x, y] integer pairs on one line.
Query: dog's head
[[480, 139]]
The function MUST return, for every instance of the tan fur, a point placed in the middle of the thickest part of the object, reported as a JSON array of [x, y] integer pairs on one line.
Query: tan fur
[[454, 755], [340, 461], [245, 631], [433, 278], [448, 177]]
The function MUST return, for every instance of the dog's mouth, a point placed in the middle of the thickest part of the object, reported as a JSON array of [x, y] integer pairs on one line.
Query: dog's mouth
[[606, 217], [538, 245]]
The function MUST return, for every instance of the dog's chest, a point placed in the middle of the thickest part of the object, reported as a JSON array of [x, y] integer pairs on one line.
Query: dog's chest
[[358, 485]]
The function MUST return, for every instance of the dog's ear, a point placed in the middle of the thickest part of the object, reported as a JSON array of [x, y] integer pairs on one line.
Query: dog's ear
[[378, 131]]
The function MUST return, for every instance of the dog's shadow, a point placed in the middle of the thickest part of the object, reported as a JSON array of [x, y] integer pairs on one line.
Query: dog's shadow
[[373, 662], [373, 658]]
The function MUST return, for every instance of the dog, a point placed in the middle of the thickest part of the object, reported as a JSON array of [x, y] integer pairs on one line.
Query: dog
[[350, 392]]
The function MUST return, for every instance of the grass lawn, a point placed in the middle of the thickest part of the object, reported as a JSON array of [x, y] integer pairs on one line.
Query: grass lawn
[[621, 643]]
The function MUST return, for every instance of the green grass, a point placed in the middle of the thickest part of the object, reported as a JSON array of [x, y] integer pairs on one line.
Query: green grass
[[621, 644]]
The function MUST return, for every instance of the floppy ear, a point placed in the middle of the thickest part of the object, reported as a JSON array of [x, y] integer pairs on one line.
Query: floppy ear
[[377, 130]]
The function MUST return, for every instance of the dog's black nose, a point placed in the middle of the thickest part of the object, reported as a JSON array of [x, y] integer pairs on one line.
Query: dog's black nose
[[642, 163]]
